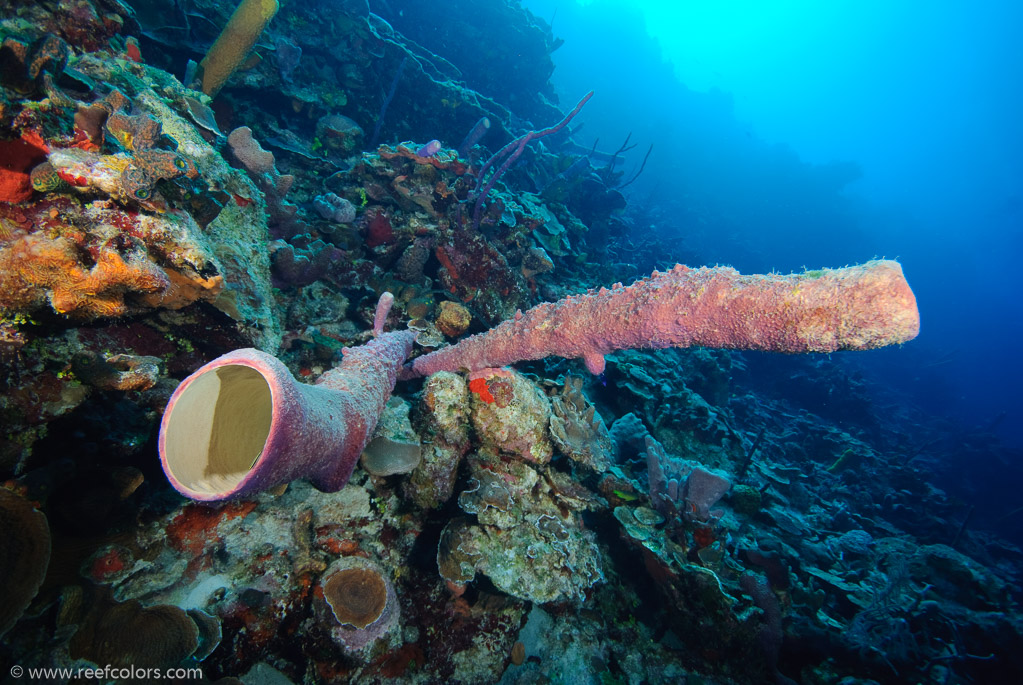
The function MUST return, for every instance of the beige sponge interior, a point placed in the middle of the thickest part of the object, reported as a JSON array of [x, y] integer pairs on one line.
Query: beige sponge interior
[[217, 428]]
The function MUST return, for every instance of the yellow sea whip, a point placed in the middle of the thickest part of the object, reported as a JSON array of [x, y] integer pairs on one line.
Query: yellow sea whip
[[235, 42]]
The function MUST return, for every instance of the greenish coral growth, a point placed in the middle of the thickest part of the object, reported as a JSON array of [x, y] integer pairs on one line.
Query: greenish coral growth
[[746, 499], [848, 460]]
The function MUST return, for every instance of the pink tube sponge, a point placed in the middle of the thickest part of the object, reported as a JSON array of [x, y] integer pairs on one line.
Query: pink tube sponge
[[242, 424], [854, 308]]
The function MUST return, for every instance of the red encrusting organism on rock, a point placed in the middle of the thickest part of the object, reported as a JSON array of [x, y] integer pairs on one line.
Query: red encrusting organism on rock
[[379, 230], [479, 386], [17, 157]]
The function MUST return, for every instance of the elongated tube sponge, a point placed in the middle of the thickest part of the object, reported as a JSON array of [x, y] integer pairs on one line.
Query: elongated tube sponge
[[242, 424], [235, 42], [854, 308]]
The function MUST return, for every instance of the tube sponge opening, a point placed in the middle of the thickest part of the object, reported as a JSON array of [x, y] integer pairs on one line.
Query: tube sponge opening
[[217, 428]]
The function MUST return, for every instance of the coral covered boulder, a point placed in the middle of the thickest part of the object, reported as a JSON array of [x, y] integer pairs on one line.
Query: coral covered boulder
[[527, 534], [510, 414], [442, 415], [133, 210]]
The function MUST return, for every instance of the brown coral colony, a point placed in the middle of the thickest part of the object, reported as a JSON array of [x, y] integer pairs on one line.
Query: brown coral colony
[[357, 596]]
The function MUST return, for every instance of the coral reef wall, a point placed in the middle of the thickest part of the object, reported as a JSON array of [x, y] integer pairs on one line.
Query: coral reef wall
[[686, 515]]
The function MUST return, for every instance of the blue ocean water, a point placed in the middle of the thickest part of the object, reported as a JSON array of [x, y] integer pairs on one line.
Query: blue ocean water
[[801, 134], [826, 134]]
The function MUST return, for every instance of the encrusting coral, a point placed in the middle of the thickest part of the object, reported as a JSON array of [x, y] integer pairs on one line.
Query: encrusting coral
[[118, 372], [127, 634], [386, 457], [24, 555], [34, 266], [362, 601], [116, 275], [578, 430]]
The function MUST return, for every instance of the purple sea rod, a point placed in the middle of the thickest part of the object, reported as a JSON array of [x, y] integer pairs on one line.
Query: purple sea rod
[[514, 150]]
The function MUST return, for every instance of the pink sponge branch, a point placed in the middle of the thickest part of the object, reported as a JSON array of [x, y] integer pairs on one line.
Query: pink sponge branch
[[384, 305], [854, 308]]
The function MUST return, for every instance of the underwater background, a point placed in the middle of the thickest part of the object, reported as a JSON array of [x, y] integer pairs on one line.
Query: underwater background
[[792, 486]]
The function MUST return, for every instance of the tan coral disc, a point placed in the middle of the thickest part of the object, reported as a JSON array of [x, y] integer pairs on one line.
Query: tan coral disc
[[357, 596]]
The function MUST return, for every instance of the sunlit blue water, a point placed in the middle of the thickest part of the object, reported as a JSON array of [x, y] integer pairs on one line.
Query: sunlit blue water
[[791, 134]]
